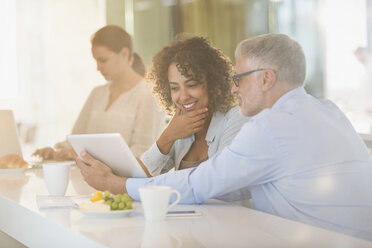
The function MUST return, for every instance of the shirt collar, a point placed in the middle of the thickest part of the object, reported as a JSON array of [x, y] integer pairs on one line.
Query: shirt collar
[[213, 127], [294, 92]]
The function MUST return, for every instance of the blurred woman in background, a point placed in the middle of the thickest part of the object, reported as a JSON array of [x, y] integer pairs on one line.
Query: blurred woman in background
[[124, 105]]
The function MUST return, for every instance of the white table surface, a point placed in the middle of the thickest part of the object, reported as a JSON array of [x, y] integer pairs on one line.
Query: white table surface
[[221, 225]]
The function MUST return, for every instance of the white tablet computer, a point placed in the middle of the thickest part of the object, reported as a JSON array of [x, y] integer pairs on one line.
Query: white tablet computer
[[111, 149]]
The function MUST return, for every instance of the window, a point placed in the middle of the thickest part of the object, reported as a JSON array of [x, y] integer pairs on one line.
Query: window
[[8, 51]]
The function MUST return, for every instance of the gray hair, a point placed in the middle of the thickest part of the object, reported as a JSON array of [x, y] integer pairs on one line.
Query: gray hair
[[278, 52]]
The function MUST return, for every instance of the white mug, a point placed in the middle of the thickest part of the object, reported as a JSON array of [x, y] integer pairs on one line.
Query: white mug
[[155, 201], [56, 177]]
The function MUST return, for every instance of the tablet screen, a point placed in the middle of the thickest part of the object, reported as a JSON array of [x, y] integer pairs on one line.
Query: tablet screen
[[111, 149]]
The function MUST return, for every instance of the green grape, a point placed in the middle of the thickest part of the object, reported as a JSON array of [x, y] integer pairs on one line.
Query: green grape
[[114, 206], [108, 202], [106, 194], [126, 198], [121, 205], [117, 198], [128, 205]]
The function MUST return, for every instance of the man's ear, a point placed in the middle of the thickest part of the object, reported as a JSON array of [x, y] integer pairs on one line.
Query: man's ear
[[269, 78]]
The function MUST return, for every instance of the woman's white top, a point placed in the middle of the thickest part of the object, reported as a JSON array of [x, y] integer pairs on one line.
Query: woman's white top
[[135, 115]]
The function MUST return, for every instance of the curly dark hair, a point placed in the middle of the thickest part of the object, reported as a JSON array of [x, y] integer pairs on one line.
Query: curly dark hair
[[193, 55]]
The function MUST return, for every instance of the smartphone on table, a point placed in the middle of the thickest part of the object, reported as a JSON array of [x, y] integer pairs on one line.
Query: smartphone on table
[[183, 213]]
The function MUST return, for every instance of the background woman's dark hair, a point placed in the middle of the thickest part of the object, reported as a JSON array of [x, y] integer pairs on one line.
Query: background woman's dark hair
[[116, 38], [195, 58]]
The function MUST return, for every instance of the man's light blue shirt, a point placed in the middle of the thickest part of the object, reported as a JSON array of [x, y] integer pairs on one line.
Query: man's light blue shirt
[[301, 159]]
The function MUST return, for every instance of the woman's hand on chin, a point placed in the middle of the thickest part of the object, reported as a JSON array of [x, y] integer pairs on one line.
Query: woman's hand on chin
[[182, 126], [186, 124]]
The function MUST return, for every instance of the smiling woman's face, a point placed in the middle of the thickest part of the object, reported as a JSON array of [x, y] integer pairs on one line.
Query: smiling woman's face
[[187, 93]]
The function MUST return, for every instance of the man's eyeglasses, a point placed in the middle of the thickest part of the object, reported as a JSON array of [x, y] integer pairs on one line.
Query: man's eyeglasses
[[236, 77]]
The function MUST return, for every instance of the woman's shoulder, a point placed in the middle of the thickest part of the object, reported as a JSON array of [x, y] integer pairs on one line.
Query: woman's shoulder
[[143, 88], [100, 88], [233, 112], [233, 116], [228, 123], [143, 84], [144, 92], [98, 92]]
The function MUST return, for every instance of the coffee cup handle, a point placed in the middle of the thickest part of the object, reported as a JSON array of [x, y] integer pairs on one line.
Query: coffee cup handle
[[177, 200]]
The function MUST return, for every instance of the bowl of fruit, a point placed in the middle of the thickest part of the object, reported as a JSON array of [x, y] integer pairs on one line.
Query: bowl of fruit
[[107, 204]]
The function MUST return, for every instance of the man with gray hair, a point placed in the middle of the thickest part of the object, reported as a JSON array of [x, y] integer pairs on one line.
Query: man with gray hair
[[300, 156]]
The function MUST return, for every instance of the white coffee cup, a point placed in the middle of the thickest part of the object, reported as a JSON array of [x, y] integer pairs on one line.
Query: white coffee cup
[[155, 201], [56, 177]]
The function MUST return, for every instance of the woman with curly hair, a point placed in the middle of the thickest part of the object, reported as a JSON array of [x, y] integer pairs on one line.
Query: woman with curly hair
[[192, 80]]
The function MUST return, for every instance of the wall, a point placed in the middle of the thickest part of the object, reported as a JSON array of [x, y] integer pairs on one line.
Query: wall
[[56, 70]]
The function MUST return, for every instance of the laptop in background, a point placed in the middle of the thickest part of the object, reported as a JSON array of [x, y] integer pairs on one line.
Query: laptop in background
[[9, 139]]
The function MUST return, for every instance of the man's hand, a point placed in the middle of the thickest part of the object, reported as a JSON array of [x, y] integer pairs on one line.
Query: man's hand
[[100, 176], [182, 126]]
